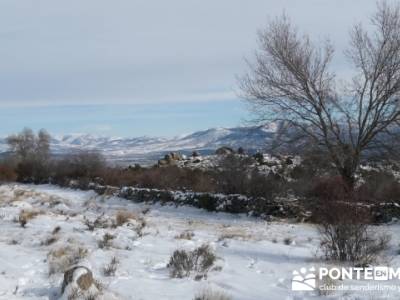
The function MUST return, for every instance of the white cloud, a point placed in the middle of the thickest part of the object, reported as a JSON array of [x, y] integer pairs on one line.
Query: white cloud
[[99, 51]]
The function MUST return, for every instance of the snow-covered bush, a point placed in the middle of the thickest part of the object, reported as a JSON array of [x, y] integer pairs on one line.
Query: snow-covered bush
[[199, 261]]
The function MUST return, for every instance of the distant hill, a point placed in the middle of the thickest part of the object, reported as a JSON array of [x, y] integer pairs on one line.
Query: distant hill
[[148, 149]]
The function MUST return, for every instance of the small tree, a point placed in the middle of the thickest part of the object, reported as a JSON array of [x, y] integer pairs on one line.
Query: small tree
[[31, 153], [290, 83]]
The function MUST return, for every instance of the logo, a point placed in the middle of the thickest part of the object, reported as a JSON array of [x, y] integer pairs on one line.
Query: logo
[[305, 280]]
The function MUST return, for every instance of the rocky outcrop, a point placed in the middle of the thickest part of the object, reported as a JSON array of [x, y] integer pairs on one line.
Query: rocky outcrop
[[224, 151], [170, 159]]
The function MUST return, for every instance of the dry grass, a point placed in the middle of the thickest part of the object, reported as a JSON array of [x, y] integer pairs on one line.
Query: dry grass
[[123, 217], [61, 259], [50, 240], [234, 233], [27, 215]]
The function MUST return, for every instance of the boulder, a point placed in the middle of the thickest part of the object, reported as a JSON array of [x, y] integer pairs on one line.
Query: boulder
[[224, 151], [79, 279]]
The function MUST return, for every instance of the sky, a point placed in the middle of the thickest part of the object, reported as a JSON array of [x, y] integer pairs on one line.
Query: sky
[[143, 67]]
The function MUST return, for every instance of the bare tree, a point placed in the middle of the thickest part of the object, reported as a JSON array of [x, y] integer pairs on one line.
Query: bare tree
[[290, 82], [31, 153]]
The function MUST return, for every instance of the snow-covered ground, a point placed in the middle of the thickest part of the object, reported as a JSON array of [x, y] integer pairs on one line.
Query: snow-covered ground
[[255, 258]]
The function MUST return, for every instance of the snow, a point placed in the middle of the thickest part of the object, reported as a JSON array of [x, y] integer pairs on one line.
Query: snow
[[255, 261], [148, 149]]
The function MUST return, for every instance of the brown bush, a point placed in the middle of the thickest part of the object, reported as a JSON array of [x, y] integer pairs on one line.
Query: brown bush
[[379, 187], [123, 217], [329, 189], [343, 223], [233, 173], [82, 166], [345, 232], [167, 177], [7, 173]]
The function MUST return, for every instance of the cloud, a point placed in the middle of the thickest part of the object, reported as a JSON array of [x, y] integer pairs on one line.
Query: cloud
[[136, 51]]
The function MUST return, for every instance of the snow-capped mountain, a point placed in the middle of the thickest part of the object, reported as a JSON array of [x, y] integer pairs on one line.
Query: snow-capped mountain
[[142, 149]]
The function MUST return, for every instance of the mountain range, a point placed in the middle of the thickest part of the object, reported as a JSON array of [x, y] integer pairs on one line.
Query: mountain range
[[145, 149]]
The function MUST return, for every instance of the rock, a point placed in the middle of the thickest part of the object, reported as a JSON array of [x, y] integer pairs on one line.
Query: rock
[[259, 157], [224, 151], [80, 278], [173, 156], [195, 154], [170, 159], [162, 162], [289, 161]]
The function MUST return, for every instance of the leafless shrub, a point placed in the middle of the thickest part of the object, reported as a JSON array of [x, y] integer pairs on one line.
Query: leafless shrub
[[182, 263], [355, 243], [287, 241], [82, 166], [31, 154], [76, 294], [111, 267], [146, 210], [56, 230], [233, 173], [99, 222], [106, 241], [140, 225], [346, 235], [211, 295], [186, 235]]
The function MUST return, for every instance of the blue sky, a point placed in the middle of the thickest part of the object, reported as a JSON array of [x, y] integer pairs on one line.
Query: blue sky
[[161, 119], [134, 67]]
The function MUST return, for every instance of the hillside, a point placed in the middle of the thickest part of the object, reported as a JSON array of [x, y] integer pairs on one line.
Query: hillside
[[148, 149]]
